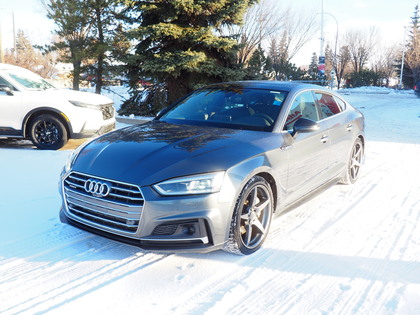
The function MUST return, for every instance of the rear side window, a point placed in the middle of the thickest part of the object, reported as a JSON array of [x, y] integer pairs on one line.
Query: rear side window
[[327, 104]]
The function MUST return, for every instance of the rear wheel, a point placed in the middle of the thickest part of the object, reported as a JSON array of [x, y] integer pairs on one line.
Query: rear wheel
[[47, 132], [354, 164], [252, 218]]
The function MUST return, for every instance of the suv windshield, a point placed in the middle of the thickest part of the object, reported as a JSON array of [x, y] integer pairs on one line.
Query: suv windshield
[[231, 107], [29, 80]]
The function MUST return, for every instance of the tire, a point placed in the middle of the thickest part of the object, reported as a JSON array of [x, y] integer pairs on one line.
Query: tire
[[47, 132], [354, 164], [251, 218]]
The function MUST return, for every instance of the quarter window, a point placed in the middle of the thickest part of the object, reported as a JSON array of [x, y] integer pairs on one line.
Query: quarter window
[[327, 104]]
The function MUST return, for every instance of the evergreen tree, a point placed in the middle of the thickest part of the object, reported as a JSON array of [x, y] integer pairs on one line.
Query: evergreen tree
[[85, 31], [178, 45], [74, 23], [313, 67], [103, 15], [257, 66], [280, 61]]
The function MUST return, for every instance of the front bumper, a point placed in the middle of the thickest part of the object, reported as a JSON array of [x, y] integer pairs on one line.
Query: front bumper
[[198, 223], [87, 133]]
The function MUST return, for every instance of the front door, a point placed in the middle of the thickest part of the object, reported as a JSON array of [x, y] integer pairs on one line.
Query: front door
[[10, 111], [308, 153]]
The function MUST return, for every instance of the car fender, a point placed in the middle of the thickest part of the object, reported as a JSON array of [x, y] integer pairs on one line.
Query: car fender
[[45, 110], [238, 176]]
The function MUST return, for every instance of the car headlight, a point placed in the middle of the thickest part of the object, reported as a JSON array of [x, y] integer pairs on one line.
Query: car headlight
[[85, 105], [191, 185]]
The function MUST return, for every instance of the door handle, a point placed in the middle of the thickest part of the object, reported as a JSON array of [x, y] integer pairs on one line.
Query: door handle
[[324, 138], [349, 127]]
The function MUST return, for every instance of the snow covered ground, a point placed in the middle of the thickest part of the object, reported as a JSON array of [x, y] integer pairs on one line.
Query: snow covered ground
[[351, 250]]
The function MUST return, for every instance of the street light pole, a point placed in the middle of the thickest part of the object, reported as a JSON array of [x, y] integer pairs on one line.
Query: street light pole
[[321, 61]]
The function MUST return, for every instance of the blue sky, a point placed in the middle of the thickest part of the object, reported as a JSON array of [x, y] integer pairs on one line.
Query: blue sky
[[389, 16]]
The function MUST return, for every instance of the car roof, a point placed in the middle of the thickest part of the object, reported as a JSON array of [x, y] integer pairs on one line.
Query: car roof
[[5, 66], [269, 85]]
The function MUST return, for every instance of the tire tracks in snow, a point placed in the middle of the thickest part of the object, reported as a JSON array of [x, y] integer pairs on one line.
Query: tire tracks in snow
[[64, 269]]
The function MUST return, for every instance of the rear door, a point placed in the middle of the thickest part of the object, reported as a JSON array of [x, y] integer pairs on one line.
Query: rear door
[[334, 120]]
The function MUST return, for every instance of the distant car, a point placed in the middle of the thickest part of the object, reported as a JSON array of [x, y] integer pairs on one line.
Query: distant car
[[211, 170], [32, 108], [417, 89]]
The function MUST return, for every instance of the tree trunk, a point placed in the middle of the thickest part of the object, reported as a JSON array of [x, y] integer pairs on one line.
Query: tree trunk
[[76, 74], [176, 89], [101, 55]]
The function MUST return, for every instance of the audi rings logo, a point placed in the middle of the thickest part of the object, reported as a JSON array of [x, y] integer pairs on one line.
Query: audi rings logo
[[97, 188]]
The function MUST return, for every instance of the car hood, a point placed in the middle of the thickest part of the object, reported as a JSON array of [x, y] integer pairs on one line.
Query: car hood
[[78, 96], [149, 153]]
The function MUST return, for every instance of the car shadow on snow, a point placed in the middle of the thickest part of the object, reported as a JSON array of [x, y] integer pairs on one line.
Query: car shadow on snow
[[26, 144], [16, 144]]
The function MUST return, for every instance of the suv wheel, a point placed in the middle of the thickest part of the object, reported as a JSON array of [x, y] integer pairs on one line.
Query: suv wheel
[[47, 132]]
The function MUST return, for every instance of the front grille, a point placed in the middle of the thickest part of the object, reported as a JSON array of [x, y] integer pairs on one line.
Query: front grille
[[107, 111], [119, 210]]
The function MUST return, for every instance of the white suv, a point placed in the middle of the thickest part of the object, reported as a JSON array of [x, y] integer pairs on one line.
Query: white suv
[[32, 108]]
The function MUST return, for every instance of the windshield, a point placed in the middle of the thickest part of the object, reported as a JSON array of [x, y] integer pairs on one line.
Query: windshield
[[29, 80], [232, 107]]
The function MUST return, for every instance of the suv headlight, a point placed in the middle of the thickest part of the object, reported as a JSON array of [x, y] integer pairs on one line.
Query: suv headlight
[[85, 105], [191, 185]]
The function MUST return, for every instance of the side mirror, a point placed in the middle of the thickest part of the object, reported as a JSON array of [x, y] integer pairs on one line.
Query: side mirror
[[6, 89], [304, 125]]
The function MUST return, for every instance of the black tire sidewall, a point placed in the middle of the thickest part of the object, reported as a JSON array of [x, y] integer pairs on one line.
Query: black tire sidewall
[[57, 123], [235, 226], [348, 180]]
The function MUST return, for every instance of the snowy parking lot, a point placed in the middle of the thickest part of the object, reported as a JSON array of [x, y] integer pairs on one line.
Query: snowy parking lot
[[351, 250]]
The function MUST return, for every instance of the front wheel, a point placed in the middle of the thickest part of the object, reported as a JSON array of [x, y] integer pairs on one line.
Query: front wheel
[[251, 218], [354, 164], [47, 132]]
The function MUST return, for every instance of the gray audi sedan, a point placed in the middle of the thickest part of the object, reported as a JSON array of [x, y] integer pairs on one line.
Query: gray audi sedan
[[211, 171]]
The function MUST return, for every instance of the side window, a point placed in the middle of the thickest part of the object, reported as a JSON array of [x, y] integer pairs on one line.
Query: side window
[[327, 104], [340, 103], [4, 82], [303, 106]]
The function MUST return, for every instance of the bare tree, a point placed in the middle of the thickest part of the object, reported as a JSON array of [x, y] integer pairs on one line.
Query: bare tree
[[360, 44], [340, 62], [383, 61], [260, 21], [297, 30]]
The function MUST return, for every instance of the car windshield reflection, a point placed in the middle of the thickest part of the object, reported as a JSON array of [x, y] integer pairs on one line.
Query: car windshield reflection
[[30, 80], [237, 108]]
